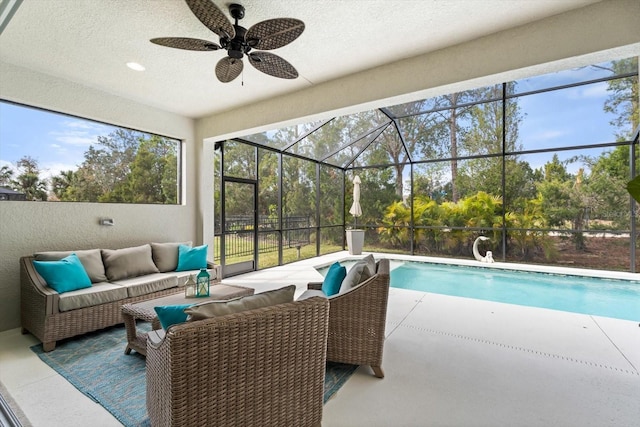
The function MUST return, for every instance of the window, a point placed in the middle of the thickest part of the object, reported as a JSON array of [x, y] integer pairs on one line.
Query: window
[[48, 156]]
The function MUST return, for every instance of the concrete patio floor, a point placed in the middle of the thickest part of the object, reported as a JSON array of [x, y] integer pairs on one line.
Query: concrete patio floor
[[448, 361]]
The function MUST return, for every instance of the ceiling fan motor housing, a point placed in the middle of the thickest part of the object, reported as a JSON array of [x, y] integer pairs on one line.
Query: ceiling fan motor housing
[[237, 47]]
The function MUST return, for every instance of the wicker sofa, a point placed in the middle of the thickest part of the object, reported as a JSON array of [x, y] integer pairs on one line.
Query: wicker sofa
[[357, 320], [118, 277], [261, 367]]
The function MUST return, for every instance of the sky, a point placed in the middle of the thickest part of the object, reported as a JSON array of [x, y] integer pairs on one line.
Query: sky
[[56, 141], [573, 116]]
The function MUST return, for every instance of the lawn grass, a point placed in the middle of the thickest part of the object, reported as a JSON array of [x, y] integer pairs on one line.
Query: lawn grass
[[270, 259]]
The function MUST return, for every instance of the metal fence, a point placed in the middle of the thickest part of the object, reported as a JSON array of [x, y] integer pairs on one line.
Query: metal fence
[[239, 234]]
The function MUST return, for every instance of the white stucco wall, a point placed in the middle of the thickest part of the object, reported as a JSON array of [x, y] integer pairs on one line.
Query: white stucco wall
[[26, 227]]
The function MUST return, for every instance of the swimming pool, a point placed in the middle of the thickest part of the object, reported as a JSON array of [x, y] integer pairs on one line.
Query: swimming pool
[[600, 297]]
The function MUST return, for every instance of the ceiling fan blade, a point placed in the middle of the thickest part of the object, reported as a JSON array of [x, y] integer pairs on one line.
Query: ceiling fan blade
[[273, 65], [228, 69], [274, 33], [212, 17], [186, 43]]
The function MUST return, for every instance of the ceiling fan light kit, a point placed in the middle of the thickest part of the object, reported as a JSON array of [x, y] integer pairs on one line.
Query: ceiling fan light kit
[[240, 42]]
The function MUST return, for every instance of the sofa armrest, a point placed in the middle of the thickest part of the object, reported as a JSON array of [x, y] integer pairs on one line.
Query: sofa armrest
[[215, 270], [34, 290]]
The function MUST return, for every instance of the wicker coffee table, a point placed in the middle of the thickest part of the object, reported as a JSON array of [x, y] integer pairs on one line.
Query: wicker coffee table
[[137, 340]]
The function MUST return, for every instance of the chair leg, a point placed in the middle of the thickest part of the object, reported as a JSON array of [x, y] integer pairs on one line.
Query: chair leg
[[377, 371], [48, 346]]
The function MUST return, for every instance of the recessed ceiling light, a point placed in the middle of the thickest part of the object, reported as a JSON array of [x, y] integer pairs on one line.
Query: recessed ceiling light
[[135, 66]]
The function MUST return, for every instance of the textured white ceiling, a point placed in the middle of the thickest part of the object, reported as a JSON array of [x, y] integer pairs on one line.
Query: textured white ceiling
[[90, 41]]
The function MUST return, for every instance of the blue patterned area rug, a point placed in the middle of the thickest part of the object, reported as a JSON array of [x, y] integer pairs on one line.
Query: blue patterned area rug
[[96, 365]]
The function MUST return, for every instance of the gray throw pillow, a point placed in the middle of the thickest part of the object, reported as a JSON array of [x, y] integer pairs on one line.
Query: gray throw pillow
[[165, 255], [91, 261], [128, 262], [356, 275], [222, 308], [371, 264]]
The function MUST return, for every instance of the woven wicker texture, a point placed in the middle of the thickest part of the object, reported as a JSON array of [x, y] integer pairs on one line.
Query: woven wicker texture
[[357, 321], [273, 65], [274, 33], [40, 316], [262, 367], [212, 17], [186, 43], [228, 69], [137, 340]]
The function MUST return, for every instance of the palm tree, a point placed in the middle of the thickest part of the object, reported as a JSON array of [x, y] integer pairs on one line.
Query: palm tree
[[29, 181], [6, 173], [62, 182]]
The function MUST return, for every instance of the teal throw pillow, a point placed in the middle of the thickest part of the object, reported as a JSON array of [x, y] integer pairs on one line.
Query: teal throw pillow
[[333, 279], [171, 314], [191, 258], [64, 275]]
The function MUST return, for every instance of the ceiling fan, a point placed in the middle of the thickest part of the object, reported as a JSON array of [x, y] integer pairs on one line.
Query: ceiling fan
[[238, 41]]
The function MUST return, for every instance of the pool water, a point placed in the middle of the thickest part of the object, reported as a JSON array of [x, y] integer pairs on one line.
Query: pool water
[[600, 297]]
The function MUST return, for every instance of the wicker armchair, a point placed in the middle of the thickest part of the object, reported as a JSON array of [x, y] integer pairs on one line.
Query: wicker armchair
[[263, 367], [357, 321]]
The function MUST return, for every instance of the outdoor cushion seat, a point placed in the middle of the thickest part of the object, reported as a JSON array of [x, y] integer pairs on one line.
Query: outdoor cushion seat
[[357, 319], [147, 284], [310, 293], [68, 306], [98, 293], [201, 373]]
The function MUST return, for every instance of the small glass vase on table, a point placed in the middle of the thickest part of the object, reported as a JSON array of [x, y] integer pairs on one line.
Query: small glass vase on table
[[202, 283]]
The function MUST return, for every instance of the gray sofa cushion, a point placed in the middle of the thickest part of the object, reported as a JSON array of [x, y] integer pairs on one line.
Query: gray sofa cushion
[[165, 255], [309, 293], [156, 337], [371, 264], [221, 308], [357, 274], [144, 285], [91, 261], [99, 293], [128, 262]]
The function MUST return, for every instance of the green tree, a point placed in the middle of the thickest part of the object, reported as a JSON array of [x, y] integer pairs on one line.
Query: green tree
[[605, 184], [526, 235], [105, 166], [62, 185], [606, 188], [565, 199], [485, 137], [125, 166], [377, 192], [452, 114], [623, 98], [28, 179], [6, 175], [153, 174]]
